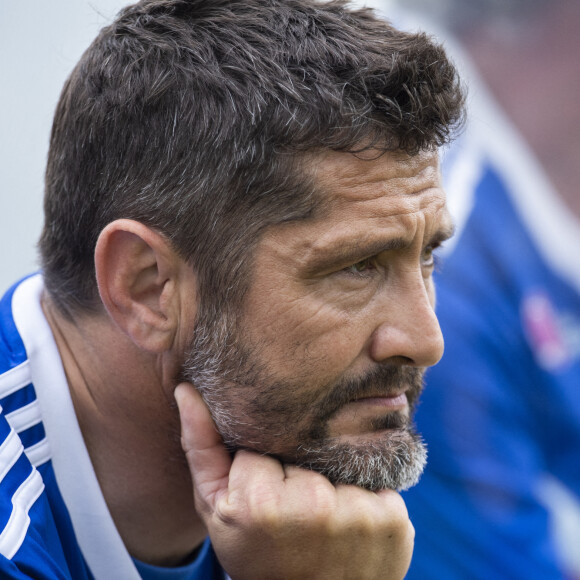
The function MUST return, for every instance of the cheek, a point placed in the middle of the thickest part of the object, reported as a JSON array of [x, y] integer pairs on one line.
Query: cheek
[[317, 341], [313, 331]]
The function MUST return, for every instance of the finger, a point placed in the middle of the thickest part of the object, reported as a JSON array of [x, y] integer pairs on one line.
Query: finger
[[255, 478], [249, 466], [208, 459], [398, 516], [385, 525], [393, 500], [386, 506]]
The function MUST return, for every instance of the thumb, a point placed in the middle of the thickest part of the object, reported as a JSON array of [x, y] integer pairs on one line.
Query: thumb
[[208, 459]]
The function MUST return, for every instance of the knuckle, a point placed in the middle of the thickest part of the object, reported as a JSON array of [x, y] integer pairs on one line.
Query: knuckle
[[229, 510], [372, 514], [322, 499]]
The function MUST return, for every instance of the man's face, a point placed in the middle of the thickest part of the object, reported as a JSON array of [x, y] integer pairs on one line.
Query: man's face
[[326, 359]]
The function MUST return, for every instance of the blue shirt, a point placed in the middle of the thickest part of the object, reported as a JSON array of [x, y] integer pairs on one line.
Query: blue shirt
[[54, 522]]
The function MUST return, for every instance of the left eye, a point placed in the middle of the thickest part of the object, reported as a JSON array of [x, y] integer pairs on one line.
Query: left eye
[[360, 267]]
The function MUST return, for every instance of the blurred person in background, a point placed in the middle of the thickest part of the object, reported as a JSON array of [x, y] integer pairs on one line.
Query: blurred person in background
[[501, 412]]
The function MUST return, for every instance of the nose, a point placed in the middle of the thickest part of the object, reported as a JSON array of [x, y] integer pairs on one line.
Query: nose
[[408, 331]]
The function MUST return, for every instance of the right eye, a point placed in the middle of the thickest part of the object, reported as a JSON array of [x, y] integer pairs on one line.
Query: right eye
[[361, 267]]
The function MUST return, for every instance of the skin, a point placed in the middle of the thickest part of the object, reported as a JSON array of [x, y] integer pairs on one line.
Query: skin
[[348, 300], [324, 296], [333, 296]]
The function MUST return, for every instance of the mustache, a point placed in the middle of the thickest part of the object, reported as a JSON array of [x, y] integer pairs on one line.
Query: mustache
[[384, 380]]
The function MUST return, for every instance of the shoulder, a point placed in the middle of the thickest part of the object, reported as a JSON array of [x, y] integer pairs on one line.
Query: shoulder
[[20, 483], [12, 351], [32, 514]]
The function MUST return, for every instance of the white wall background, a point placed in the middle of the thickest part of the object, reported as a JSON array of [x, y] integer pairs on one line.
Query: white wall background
[[40, 42]]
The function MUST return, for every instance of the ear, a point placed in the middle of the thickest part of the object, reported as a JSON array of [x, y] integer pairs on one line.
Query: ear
[[140, 279]]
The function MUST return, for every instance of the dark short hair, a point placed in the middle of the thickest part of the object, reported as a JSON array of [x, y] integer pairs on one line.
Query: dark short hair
[[194, 117]]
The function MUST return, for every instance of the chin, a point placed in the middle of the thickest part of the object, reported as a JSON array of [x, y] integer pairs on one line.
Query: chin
[[389, 459]]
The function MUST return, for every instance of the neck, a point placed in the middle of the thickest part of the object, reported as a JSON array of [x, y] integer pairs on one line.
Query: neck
[[531, 68], [131, 429]]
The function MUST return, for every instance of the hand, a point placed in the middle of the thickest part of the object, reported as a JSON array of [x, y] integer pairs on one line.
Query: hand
[[269, 521]]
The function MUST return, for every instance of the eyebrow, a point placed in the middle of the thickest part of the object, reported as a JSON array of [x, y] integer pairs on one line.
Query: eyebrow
[[326, 259]]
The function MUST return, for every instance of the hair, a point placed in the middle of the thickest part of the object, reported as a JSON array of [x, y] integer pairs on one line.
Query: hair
[[196, 118]]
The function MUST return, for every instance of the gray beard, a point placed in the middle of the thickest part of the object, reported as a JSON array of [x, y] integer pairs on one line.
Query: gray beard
[[253, 410], [395, 461]]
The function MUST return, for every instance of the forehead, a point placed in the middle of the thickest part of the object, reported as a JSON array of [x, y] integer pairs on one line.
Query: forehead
[[366, 202], [378, 190], [344, 178]]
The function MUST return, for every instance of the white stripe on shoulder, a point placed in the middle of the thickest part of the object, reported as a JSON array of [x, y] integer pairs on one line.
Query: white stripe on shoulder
[[39, 453], [93, 525], [25, 417], [23, 499], [10, 450], [15, 379]]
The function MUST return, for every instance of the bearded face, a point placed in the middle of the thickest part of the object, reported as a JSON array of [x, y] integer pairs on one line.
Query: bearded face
[[291, 418], [325, 359]]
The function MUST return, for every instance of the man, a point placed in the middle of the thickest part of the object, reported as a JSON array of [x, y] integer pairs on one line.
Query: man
[[501, 412], [244, 198]]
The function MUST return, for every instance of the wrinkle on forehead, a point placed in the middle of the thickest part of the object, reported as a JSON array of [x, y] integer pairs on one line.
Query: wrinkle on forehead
[[346, 177], [366, 225], [372, 202], [341, 244]]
